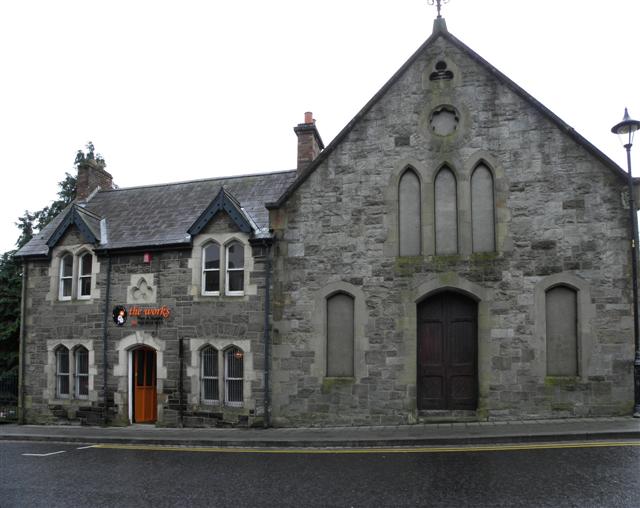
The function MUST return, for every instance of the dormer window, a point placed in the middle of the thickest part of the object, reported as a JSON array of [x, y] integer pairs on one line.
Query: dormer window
[[84, 276], [211, 269], [66, 277]]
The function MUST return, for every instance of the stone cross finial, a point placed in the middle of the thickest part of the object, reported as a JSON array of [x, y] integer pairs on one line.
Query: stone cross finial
[[438, 4]]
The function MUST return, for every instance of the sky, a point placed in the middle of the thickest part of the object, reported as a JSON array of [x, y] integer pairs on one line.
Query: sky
[[172, 91]]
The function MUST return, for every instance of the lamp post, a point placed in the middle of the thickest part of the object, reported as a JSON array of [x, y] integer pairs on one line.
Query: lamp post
[[625, 131]]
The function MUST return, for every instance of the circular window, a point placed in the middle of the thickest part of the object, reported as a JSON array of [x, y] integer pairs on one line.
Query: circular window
[[444, 120]]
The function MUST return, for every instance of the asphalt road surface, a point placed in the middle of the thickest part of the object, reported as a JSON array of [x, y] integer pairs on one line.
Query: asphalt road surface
[[50, 474]]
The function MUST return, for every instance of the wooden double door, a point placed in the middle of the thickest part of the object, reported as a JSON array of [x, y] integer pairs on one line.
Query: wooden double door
[[448, 352], [145, 405]]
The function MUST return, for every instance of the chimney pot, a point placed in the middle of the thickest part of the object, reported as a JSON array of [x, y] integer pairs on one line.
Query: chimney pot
[[308, 117]]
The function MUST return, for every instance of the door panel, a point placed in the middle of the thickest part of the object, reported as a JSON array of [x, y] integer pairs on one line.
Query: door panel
[[144, 385], [447, 352]]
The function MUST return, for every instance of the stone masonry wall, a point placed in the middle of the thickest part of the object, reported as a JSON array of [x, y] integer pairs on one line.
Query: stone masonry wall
[[559, 219]]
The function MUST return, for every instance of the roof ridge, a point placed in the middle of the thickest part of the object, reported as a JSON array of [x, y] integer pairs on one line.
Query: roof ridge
[[171, 184]]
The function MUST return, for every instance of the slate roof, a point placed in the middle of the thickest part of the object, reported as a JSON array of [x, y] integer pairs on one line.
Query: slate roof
[[161, 215]]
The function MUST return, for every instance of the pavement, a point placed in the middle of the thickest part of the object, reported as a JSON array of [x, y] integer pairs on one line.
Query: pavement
[[430, 434]]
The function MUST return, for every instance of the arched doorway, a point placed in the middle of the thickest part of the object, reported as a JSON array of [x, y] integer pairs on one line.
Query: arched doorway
[[143, 385], [447, 352]]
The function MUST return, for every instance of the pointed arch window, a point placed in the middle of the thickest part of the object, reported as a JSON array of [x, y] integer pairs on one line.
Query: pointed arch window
[[482, 210], [446, 212], [81, 372], [62, 372], [340, 335], [84, 276], [562, 331], [235, 269], [211, 269], [233, 376], [66, 277], [410, 237], [210, 384]]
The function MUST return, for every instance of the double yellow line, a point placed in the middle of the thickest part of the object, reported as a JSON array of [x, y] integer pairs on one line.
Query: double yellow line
[[330, 451]]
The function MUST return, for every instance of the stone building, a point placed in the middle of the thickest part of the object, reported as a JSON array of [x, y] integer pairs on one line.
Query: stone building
[[457, 252]]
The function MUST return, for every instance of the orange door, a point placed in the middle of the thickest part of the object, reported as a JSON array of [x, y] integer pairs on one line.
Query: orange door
[[144, 385]]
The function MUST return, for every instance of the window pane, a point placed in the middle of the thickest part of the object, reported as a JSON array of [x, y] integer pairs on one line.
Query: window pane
[[482, 213], [66, 287], [212, 281], [140, 367], [83, 385], [446, 213], [234, 390], [409, 214], [67, 266], [210, 389], [236, 280], [340, 335], [562, 338], [235, 256], [82, 361], [235, 360], [63, 361], [85, 265], [63, 384], [150, 365], [212, 257], [85, 286], [210, 362]]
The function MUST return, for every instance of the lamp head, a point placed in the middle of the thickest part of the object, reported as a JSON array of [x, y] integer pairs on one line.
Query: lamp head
[[626, 129]]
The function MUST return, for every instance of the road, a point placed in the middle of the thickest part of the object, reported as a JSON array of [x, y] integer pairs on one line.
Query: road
[[577, 475]]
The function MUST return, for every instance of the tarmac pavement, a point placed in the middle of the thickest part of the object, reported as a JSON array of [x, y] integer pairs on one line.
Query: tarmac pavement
[[431, 434]]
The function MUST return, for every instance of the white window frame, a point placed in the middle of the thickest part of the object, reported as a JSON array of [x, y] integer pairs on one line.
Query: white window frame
[[60, 375], [228, 292], [229, 351], [77, 374], [205, 270], [62, 277], [215, 401], [84, 276]]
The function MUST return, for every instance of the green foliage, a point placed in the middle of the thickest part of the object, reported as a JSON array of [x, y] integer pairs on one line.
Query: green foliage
[[11, 269]]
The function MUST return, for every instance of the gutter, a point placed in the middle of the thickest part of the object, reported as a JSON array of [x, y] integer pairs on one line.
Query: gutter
[[105, 334], [23, 329]]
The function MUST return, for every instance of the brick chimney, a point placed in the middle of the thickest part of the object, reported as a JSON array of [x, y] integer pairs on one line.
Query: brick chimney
[[91, 174], [309, 141]]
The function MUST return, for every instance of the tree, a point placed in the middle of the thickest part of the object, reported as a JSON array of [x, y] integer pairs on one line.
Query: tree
[[11, 269]]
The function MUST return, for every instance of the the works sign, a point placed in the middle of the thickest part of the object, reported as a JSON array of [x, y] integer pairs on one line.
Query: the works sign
[[140, 315]]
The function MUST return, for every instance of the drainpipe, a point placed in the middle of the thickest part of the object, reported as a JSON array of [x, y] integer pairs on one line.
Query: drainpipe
[[267, 339], [180, 385], [23, 329], [105, 334]]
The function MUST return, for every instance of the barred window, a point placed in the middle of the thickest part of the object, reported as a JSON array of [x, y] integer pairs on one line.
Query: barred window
[[82, 372], [210, 386], [233, 376], [211, 269], [62, 372], [66, 277], [235, 269], [84, 276]]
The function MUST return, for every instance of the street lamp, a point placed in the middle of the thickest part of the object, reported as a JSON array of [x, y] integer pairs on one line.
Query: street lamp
[[625, 131]]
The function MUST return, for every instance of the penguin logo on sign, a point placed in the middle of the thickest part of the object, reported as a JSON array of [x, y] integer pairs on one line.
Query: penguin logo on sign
[[119, 315]]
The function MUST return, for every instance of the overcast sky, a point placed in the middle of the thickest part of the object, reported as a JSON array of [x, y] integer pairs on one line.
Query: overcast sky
[[172, 91]]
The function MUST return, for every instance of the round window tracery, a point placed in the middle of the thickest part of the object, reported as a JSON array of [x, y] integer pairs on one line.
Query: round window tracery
[[444, 120]]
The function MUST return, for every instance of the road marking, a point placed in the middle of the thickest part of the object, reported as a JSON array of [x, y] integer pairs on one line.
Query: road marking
[[434, 449], [42, 454], [85, 447]]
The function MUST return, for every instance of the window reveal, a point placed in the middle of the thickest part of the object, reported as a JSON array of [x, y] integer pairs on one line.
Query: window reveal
[[62, 372], [211, 269], [235, 269], [66, 277], [82, 372]]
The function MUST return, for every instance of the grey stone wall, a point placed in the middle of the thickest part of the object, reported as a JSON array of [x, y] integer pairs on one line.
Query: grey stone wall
[[559, 219], [198, 320]]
